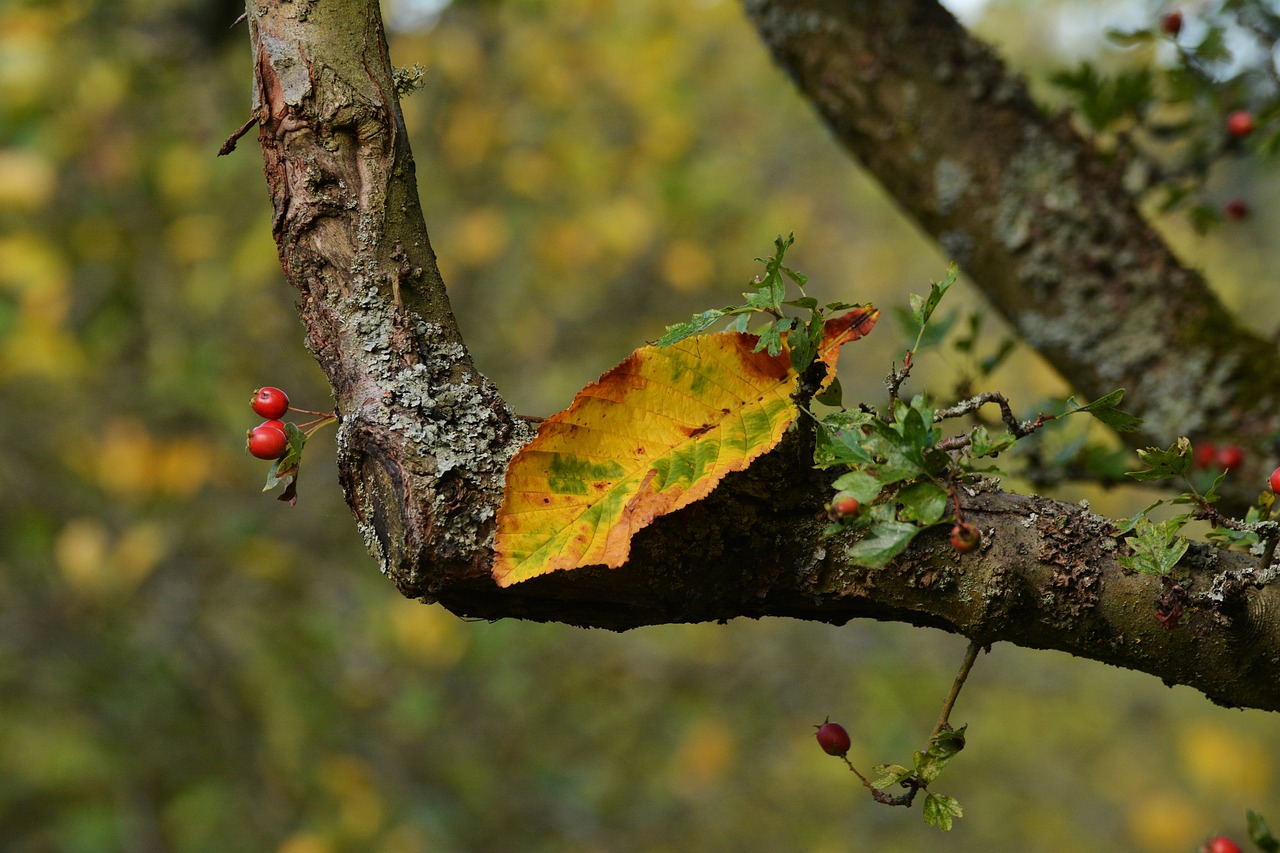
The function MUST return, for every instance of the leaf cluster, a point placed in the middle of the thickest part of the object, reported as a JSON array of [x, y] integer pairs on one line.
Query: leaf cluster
[[1158, 546], [927, 765], [769, 299], [901, 469]]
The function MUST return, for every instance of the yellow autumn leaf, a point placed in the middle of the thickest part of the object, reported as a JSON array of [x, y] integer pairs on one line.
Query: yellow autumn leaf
[[655, 434]]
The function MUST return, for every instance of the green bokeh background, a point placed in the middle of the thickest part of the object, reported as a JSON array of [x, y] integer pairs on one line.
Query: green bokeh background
[[188, 665]]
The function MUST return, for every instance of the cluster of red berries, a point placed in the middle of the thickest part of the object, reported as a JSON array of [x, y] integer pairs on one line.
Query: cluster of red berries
[[1228, 457], [268, 439], [1239, 124], [1220, 844]]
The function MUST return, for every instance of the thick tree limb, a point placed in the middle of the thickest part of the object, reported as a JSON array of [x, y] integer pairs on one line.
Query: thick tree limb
[[424, 439], [1041, 223]]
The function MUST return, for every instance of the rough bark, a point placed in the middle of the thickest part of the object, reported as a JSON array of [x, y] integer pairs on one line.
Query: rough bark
[[424, 439], [1040, 223]]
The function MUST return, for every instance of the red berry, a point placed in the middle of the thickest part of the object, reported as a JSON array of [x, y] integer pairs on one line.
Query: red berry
[[842, 507], [833, 739], [1240, 123], [267, 440], [1275, 481], [1171, 23], [270, 402], [1204, 455], [965, 537], [1235, 209], [1230, 457], [1220, 844]]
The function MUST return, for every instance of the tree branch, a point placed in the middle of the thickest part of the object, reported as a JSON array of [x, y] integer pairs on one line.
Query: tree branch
[[1039, 221], [424, 439]]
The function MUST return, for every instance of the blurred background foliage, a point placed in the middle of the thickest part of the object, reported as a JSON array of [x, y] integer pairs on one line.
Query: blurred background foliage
[[188, 665]]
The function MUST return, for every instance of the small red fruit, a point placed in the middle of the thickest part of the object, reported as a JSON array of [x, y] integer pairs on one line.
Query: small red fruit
[[1240, 123], [1220, 844], [1204, 455], [833, 739], [1236, 209], [270, 402], [843, 507], [965, 537], [1230, 457], [1275, 481], [1171, 23], [267, 440]]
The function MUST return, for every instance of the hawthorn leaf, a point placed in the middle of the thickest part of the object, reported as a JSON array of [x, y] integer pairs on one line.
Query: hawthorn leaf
[[941, 810], [1104, 409], [654, 434], [284, 471], [1165, 464], [924, 503], [1259, 833], [860, 485], [886, 540], [696, 326]]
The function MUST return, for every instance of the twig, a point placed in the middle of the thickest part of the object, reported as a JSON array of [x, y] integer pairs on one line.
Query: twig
[[970, 655], [230, 144], [1018, 428]]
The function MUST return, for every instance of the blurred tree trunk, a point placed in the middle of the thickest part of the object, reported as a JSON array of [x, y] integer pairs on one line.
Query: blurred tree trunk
[[424, 439]]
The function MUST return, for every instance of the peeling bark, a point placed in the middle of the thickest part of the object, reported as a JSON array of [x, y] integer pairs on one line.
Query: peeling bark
[[424, 439], [1040, 223]]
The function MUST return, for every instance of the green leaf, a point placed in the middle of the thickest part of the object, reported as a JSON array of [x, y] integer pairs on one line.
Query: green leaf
[[941, 811], [1213, 47], [1129, 38], [981, 444], [840, 440], [923, 503], [832, 395], [859, 484], [770, 336], [886, 540], [1164, 464], [1260, 834], [1157, 547], [989, 363], [889, 775], [1104, 409], [803, 344], [922, 308], [948, 741], [943, 747], [699, 323], [285, 470]]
